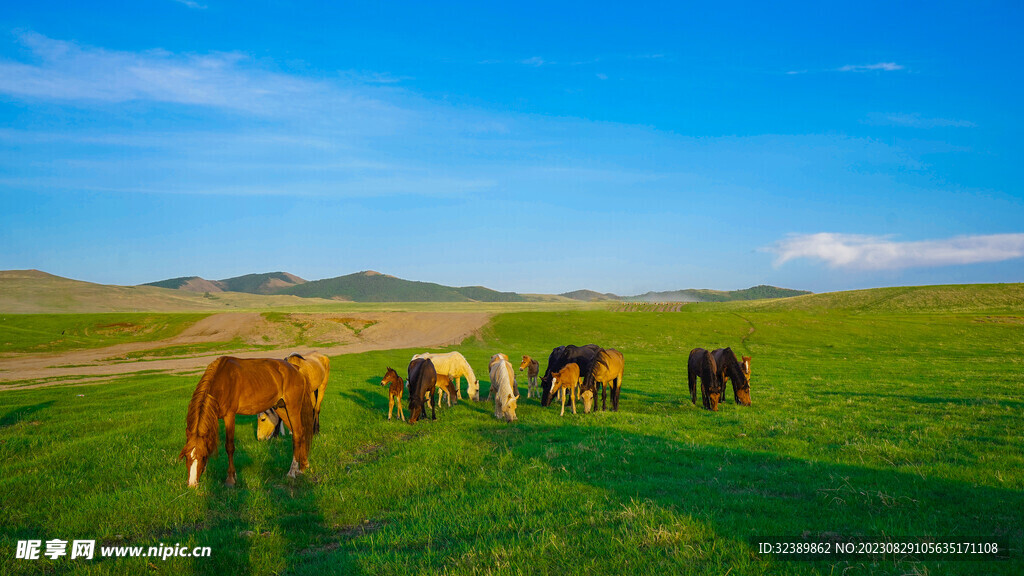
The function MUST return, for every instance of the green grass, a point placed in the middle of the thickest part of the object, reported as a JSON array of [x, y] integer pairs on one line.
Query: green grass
[[63, 332], [864, 425]]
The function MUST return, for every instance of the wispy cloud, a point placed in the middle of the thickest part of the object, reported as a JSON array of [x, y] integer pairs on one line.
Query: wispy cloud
[[67, 71], [860, 252], [535, 61], [880, 66], [916, 121], [192, 4], [601, 76]]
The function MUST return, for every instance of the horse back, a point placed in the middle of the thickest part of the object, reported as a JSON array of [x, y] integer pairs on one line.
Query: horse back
[[252, 385]]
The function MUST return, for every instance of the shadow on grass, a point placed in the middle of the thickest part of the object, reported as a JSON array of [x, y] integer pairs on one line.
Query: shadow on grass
[[19, 414], [980, 401], [744, 495]]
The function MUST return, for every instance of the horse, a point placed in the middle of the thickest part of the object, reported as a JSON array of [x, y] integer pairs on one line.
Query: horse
[[422, 384], [231, 386], [503, 385], [583, 356], [533, 368], [607, 368], [566, 379], [445, 387], [454, 364], [729, 368], [702, 364], [395, 388], [317, 369]]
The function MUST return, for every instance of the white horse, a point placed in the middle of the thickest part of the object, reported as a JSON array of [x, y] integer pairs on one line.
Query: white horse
[[503, 384], [454, 365]]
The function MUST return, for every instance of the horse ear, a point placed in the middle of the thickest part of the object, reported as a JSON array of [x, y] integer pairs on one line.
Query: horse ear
[[182, 455]]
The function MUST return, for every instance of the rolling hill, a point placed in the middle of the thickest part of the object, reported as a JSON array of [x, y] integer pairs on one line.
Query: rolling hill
[[267, 283], [36, 292], [370, 286], [691, 295]]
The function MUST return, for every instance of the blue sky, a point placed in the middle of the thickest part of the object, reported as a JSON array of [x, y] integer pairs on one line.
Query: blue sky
[[534, 147]]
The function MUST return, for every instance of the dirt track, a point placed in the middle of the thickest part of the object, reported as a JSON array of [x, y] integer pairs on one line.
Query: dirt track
[[349, 334]]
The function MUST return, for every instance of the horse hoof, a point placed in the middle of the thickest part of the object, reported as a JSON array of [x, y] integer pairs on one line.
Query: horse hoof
[[230, 482]]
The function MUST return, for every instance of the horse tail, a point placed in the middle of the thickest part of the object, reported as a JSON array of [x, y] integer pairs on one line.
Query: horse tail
[[201, 421], [710, 366]]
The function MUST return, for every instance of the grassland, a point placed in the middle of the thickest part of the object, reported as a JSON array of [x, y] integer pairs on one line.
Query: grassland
[[28, 333], [870, 421]]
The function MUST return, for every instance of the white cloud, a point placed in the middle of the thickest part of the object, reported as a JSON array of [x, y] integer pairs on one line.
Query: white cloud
[[882, 66], [602, 76], [862, 252], [536, 61], [192, 4]]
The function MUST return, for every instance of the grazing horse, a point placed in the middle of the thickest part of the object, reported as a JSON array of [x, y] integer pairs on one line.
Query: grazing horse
[[729, 368], [533, 368], [317, 369], [607, 368], [395, 388], [566, 379], [445, 387], [503, 385], [583, 356], [702, 364], [422, 384], [454, 364], [245, 386]]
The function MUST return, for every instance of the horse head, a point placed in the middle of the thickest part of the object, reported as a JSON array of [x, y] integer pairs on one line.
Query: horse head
[[196, 453], [525, 364], [267, 424], [509, 408]]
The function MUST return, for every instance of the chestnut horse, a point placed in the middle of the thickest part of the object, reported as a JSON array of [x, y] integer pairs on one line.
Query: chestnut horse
[[245, 386], [396, 386], [607, 369], [566, 379], [422, 384], [702, 364], [533, 368], [317, 369], [729, 368]]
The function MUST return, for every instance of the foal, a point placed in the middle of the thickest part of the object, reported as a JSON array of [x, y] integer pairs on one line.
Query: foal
[[566, 379], [395, 388], [533, 368]]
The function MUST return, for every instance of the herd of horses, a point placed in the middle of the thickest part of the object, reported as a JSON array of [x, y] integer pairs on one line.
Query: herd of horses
[[286, 395]]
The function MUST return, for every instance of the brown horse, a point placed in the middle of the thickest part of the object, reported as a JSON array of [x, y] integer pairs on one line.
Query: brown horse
[[395, 389], [567, 378], [729, 368], [608, 369], [422, 386], [533, 369], [245, 386], [317, 369], [702, 364]]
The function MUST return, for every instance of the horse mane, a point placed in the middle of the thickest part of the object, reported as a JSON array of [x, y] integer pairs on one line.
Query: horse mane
[[201, 422]]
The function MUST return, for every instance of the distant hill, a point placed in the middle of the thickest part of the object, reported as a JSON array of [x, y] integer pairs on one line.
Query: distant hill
[[966, 298], [590, 295], [35, 292], [267, 283], [370, 286], [691, 295]]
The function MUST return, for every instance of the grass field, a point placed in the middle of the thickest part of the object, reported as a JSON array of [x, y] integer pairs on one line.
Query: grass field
[[868, 423], [64, 332]]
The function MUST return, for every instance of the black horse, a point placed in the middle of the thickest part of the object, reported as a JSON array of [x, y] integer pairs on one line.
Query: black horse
[[422, 383], [583, 356], [739, 372], [702, 364]]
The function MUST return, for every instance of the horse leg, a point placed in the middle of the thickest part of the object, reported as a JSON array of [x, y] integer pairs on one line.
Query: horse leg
[[229, 446], [603, 395], [433, 397], [615, 393], [391, 405], [561, 396], [573, 396], [693, 387], [398, 401]]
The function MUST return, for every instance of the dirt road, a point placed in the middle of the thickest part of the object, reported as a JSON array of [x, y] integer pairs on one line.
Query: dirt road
[[347, 334]]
